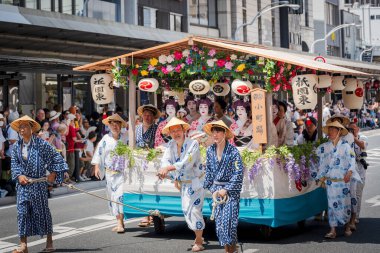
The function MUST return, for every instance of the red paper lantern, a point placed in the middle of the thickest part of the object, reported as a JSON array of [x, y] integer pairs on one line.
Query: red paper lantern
[[359, 92]]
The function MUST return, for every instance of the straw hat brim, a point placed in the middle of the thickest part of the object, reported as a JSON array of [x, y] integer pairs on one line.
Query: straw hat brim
[[345, 119], [219, 123], [325, 129], [175, 122], [151, 108], [115, 117], [34, 124]]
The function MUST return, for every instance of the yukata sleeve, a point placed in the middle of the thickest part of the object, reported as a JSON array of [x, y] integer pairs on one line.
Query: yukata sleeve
[[16, 168], [188, 159], [55, 162], [209, 178], [321, 164], [97, 158], [350, 164], [167, 160], [235, 183]]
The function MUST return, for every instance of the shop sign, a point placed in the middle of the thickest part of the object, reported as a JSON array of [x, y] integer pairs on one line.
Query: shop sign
[[259, 116]]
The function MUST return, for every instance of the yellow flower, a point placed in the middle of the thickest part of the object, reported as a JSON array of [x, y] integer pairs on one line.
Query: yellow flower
[[144, 73], [137, 66], [153, 61], [241, 67]]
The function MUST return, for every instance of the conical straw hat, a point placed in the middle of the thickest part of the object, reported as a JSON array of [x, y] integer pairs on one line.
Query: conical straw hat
[[219, 123], [115, 117], [175, 122], [151, 108], [34, 124], [336, 124]]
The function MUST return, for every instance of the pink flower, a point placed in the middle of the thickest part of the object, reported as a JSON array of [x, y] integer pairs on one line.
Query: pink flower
[[169, 68], [170, 59], [276, 87], [229, 65], [212, 52], [186, 53], [195, 48], [281, 70], [177, 55], [151, 68], [189, 61], [221, 63], [164, 70], [210, 63], [178, 68]]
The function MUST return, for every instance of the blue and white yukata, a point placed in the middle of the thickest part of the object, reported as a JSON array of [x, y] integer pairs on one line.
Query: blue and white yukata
[[334, 163], [225, 174], [362, 173], [190, 172], [144, 140], [114, 178], [32, 160]]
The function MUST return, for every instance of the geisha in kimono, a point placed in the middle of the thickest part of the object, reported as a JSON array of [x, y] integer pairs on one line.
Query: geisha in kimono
[[205, 109], [191, 106], [224, 176], [31, 158], [336, 171], [182, 161], [171, 108], [242, 127], [114, 171], [145, 132]]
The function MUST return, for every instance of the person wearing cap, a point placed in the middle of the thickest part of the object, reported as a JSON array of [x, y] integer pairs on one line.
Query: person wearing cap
[[336, 169], [310, 133], [182, 162], [31, 157], [145, 132], [103, 165], [224, 177]]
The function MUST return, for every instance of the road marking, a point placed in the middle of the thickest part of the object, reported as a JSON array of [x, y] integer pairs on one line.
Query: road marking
[[250, 250], [375, 201], [4, 245]]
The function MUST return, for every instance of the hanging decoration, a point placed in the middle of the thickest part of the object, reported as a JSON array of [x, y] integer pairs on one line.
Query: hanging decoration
[[337, 83], [353, 94], [199, 87], [324, 81], [102, 88], [148, 84], [221, 89], [304, 91], [241, 88]]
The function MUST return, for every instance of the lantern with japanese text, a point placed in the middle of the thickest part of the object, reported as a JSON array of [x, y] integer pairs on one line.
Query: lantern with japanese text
[[337, 83], [324, 81], [102, 88], [148, 84], [353, 94], [305, 91], [199, 87], [221, 89], [241, 88]]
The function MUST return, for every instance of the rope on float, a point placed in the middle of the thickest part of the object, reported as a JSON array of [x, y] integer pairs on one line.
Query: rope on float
[[216, 202]]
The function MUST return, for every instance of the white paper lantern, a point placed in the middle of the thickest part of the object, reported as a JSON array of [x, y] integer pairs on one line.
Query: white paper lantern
[[199, 87], [241, 88], [353, 94], [102, 88], [337, 83], [304, 91], [148, 84], [324, 81], [221, 89]]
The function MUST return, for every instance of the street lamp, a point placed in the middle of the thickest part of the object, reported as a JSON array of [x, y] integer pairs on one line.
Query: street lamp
[[266, 9], [366, 50], [331, 32]]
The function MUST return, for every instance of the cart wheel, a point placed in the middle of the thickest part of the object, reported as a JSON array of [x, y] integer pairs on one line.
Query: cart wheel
[[301, 224], [159, 224], [266, 231]]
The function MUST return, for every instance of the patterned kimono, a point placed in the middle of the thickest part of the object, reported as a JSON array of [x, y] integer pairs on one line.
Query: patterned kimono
[[189, 171], [197, 125], [243, 132], [160, 138], [362, 172], [334, 163], [226, 174], [114, 178], [146, 139], [33, 213]]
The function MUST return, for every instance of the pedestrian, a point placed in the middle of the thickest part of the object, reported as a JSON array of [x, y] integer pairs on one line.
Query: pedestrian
[[102, 161], [310, 133], [182, 160], [224, 177], [336, 170], [31, 157]]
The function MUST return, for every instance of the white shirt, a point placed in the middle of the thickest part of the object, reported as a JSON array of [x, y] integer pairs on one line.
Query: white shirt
[[12, 135], [25, 150], [89, 147], [102, 155]]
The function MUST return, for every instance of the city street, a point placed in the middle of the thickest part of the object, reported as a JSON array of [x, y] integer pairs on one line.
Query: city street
[[82, 224]]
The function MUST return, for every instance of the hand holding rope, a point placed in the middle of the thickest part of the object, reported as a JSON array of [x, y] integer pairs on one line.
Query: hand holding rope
[[216, 202]]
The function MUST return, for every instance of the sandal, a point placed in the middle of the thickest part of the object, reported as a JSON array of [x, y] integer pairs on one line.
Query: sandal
[[197, 248], [120, 230], [47, 250], [203, 241], [146, 222], [20, 250], [347, 233], [330, 235], [352, 227]]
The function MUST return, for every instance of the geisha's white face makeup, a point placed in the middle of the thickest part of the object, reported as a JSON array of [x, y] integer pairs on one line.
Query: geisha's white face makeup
[[274, 111], [46, 125], [192, 106], [203, 109], [241, 112], [170, 110]]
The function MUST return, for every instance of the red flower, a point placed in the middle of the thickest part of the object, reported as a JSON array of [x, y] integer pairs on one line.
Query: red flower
[[177, 55], [313, 71], [273, 81], [135, 72], [228, 58], [204, 68], [279, 64], [250, 72], [281, 70], [220, 63], [329, 90], [278, 76], [276, 87], [293, 73]]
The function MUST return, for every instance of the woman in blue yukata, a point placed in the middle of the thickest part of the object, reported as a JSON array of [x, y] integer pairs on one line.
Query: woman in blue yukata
[[31, 157], [336, 170], [224, 177], [182, 161]]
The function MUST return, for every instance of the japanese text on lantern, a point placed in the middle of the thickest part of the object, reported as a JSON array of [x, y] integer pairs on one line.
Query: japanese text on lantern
[[102, 88], [302, 84], [259, 116]]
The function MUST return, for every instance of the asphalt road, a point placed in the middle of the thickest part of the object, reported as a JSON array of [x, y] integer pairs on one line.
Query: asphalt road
[[82, 224]]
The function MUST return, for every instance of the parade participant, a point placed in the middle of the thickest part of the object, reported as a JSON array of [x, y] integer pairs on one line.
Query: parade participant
[[191, 105], [181, 114], [280, 123], [145, 132], [336, 170], [360, 146], [310, 133], [242, 127], [220, 107], [31, 157], [102, 161], [224, 177], [171, 107], [182, 160], [205, 108]]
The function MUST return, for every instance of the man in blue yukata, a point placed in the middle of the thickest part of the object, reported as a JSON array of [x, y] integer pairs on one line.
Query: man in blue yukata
[[31, 157]]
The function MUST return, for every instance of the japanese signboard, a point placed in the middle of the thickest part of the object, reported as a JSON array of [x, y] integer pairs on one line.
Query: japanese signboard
[[259, 116], [102, 89], [305, 91]]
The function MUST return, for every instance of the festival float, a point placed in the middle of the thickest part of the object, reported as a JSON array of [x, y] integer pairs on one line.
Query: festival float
[[279, 186]]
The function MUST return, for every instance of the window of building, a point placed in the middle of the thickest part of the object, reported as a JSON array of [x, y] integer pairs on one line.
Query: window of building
[[377, 16], [149, 17], [45, 5], [203, 12], [31, 4], [358, 33], [372, 16], [306, 6], [67, 6], [175, 22], [333, 51], [332, 14], [245, 37], [348, 31]]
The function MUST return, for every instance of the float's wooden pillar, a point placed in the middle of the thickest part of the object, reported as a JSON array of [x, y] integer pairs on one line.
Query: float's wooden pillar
[[132, 111]]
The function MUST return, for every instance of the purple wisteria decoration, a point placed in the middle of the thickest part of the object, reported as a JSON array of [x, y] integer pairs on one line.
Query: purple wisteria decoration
[[254, 171], [118, 163]]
